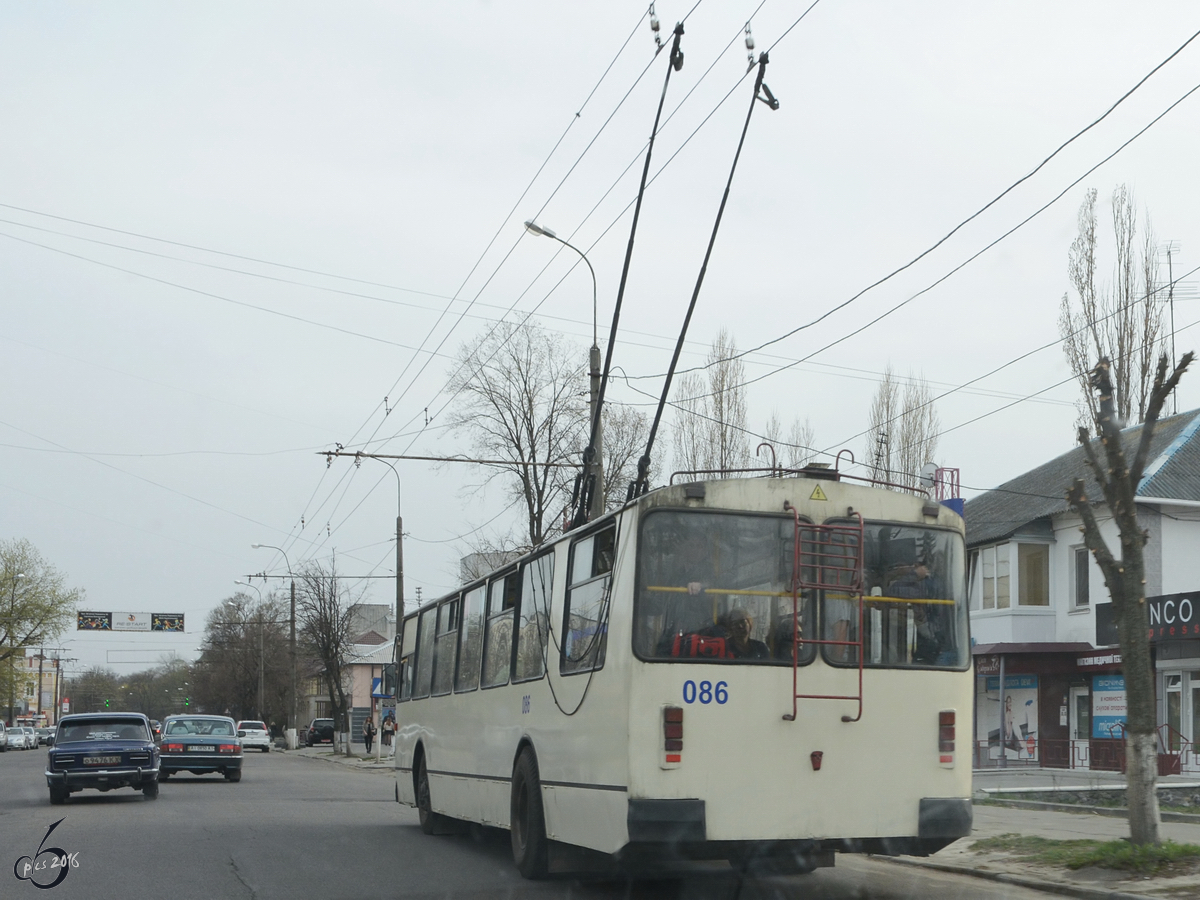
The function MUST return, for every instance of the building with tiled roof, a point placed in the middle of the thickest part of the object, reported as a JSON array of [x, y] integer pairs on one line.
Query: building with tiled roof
[[1041, 617]]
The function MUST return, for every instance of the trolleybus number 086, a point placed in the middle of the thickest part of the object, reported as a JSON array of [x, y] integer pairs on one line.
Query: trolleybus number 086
[[705, 692]]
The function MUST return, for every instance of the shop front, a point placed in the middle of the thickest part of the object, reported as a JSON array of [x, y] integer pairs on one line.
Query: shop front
[[1175, 641], [1048, 705]]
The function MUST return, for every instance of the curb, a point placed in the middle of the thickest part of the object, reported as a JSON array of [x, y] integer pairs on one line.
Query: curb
[[1050, 887], [1118, 812], [357, 762]]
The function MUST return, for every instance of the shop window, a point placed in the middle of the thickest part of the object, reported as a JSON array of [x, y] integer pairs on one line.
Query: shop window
[[1033, 571]]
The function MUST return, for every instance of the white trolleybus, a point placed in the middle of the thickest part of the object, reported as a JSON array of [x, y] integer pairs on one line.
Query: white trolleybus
[[640, 687]]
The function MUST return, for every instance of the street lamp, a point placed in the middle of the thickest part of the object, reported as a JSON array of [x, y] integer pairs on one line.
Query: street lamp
[[12, 640], [293, 723], [596, 508], [260, 644]]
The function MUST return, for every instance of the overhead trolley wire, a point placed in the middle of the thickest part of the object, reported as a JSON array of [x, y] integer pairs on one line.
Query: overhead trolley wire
[[985, 207], [483, 254], [629, 205], [957, 268]]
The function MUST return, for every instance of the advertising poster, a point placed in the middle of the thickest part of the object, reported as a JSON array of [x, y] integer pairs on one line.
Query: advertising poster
[[1108, 706], [93, 621], [130, 621], [1018, 741], [166, 622]]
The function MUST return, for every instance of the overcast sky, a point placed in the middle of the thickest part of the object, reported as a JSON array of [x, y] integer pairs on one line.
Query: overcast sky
[[230, 230]]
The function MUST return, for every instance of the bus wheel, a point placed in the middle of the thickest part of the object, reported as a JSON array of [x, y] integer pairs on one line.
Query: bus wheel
[[529, 845], [430, 821]]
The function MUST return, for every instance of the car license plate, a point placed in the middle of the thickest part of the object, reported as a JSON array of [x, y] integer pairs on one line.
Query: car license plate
[[101, 760], [198, 748]]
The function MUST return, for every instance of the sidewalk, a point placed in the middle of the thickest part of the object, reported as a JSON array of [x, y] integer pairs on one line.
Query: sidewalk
[[358, 758], [1059, 822]]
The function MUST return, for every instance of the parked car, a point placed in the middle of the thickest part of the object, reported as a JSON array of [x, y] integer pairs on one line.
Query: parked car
[[3, 737], [320, 731], [254, 734], [27, 737], [45, 736], [102, 751], [201, 745]]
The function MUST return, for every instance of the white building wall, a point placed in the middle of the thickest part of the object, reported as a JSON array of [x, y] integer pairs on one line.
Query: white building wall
[[1180, 550]]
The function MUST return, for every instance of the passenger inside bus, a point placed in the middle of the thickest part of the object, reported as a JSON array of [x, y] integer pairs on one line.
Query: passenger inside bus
[[739, 625]]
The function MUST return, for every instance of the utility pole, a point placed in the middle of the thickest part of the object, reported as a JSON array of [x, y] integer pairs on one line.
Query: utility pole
[[293, 723]]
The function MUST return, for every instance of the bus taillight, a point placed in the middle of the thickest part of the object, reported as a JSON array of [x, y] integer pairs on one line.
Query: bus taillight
[[673, 733], [946, 736]]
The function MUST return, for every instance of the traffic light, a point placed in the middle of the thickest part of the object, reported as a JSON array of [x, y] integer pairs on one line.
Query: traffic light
[[106, 704], [187, 701]]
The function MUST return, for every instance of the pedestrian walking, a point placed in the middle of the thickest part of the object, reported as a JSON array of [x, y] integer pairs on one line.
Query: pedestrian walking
[[369, 733]]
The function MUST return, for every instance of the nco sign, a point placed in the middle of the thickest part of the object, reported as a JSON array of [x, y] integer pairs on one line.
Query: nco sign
[[1174, 616]]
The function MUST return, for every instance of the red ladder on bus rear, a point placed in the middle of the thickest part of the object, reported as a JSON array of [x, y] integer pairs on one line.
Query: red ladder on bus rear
[[827, 558]]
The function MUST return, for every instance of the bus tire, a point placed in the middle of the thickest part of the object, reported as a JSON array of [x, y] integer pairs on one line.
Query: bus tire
[[526, 819], [431, 822]]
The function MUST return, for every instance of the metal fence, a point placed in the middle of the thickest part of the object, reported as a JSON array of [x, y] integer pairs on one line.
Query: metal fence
[[1177, 755]]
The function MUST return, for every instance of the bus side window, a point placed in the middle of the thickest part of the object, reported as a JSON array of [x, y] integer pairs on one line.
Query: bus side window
[[445, 648], [497, 641], [532, 618], [471, 642], [408, 647], [424, 674], [585, 626]]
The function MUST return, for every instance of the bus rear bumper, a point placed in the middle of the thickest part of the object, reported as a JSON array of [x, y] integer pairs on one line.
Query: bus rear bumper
[[678, 828]]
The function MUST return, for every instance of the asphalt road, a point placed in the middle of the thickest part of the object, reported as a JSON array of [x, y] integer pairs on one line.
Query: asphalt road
[[298, 828]]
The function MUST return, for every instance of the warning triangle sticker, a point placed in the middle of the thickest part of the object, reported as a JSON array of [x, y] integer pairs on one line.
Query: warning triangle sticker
[[818, 494]]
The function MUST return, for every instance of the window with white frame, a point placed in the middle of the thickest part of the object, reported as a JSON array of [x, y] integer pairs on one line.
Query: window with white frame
[[1033, 572], [1080, 589], [994, 574]]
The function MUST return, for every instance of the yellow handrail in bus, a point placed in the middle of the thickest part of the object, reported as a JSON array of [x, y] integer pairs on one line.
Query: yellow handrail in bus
[[683, 590], [877, 599], [828, 596]]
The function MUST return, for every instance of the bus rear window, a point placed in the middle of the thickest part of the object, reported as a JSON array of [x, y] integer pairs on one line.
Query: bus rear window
[[914, 609], [717, 587]]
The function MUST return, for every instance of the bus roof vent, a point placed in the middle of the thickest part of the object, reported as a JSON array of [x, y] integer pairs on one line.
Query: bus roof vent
[[820, 471]]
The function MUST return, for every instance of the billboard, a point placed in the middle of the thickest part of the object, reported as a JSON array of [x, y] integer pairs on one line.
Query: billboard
[[129, 621], [93, 621]]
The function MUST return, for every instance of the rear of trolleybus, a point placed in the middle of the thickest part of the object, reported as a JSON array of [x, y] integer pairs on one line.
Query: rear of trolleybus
[[774, 670], [800, 666]]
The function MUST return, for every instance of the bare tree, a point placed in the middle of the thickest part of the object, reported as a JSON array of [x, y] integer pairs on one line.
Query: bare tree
[[902, 431], [324, 621], [625, 430], [245, 642], [1125, 577], [522, 399], [1121, 320], [710, 422], [796, 450]]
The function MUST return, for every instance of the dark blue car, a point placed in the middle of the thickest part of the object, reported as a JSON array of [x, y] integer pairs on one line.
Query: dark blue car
[[102, 751]]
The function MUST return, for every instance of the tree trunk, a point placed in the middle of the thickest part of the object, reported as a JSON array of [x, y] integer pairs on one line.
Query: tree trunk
[[1141, 774]]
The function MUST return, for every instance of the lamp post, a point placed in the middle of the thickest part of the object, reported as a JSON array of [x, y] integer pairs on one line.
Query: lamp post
[[260, 644], [596, 473], [293, 724], [12, 641]]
